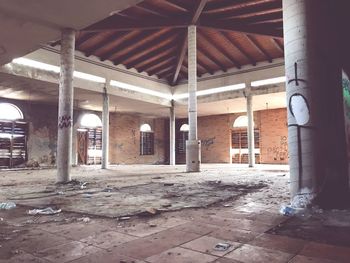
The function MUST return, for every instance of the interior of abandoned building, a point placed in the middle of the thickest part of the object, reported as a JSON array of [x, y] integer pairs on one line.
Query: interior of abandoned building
[[174, 131]]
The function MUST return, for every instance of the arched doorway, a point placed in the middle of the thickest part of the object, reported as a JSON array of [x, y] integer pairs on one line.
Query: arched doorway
[[239, 139], [13, 136], [89, 138]]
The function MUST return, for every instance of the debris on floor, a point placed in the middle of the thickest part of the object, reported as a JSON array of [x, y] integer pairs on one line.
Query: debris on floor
[[84, 219], [44, 211], [287, 210], [222, 246], [7, 205]]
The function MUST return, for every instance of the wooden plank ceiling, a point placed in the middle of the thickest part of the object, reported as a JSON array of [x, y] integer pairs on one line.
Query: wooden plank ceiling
[[152, 36]]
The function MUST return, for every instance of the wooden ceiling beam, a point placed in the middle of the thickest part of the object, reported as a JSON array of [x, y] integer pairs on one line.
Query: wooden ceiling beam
[[81, 40], [220, 49], [246, 29], [166, 63], [211, 58], [144, 6], [149, 42], [125, 44], [166, 73], [256, 17], [278, 45], [148, 54], [256, 7], [116, 23], [183, 48], [226, 36], [155, 62], [215, 7], [106, 41], [257, 45]]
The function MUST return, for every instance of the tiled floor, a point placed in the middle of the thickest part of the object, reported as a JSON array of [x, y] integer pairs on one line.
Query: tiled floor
[[186, 236]]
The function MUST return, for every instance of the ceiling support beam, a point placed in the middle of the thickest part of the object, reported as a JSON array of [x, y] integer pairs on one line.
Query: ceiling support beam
[[220, 49], [148, 42], [160, 66], [226, 36], [195, 16], [155, 62], [257, 45], [278, 45], [148, 55], [212, 58]]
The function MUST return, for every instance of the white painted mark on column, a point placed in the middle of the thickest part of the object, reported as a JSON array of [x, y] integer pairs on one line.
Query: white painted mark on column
[[299, 108]]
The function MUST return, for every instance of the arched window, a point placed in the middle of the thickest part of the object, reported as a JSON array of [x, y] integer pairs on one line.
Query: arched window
[[184, 127], [145, 128], [13, 136], [182, 138], [146, 140], [240, 122], [9, 111], [90, 120]]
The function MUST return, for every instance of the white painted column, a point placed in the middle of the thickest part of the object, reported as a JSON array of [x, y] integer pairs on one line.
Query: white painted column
[[105, 127], [250, 128], [316, 133], [172, 153], [193, 149], [65, 106]]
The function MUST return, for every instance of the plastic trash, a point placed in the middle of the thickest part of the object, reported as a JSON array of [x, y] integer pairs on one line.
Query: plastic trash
[[287, 210], [45, 211], [222, 246], [7, 205]]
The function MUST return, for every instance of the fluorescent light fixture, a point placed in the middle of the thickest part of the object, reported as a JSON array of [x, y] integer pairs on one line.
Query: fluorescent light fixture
[[123, 85], [212, 91], [56, 69], [90, 77], [36, 64], [268, 81]]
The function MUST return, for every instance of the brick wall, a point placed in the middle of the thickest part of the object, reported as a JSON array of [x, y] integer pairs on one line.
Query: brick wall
[[124, 142], [214, 133], [274, 136]]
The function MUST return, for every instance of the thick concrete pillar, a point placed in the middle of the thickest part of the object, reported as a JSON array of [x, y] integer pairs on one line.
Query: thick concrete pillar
[[250, 129], [65, 106], [172, 154], [105, 128], [316, 137], [193, 156]]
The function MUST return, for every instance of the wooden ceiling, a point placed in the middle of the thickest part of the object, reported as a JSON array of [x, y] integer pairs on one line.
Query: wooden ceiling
[[152, 36]]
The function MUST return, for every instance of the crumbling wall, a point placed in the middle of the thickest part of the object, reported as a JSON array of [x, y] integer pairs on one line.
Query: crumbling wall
[[124, 143]]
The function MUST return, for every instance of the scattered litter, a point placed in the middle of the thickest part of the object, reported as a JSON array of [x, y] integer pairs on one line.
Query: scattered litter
[[166, 205], [228, 205], [287, 210], [157, 177], [83, 185], [152, 210], [222, 246], [152, 225], [124, 218], [7, 205], [84, 219], [168, 184], [1, 219], [45, 211], [60, 193]]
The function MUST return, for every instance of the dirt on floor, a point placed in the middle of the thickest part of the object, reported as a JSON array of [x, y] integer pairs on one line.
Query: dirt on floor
[[158, 214]]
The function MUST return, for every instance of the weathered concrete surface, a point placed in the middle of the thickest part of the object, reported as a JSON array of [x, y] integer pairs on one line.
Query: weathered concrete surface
[[130, 190]]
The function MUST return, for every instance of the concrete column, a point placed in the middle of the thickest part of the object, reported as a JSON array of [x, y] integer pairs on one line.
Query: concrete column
[[316, 133], [105, 128], [250, 129], [65, 106], [193, 156], [172, 153]]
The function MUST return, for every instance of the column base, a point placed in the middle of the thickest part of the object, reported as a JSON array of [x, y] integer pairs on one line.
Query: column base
[[193, 156]]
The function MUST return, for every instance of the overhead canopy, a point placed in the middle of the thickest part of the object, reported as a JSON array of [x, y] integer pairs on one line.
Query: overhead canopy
[[152, 36]]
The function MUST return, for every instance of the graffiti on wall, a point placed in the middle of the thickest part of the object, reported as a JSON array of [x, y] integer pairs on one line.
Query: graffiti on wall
[[346, 95], [280, 152], [64, 121], [206, 143]]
